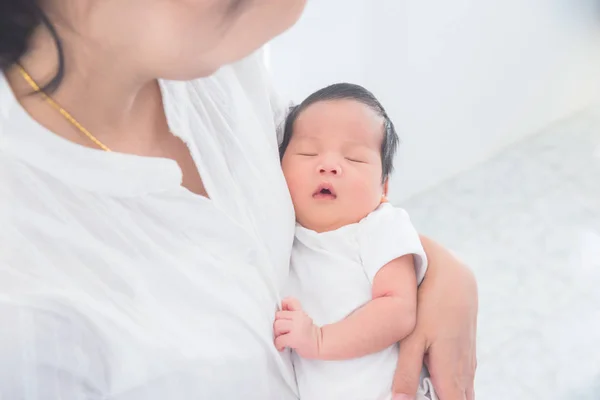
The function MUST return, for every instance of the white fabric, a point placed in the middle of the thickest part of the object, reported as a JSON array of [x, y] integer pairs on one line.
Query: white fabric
[[118, 283], [331, 275]]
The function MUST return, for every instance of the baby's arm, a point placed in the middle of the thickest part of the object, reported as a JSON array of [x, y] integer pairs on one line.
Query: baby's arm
[[386, 319]]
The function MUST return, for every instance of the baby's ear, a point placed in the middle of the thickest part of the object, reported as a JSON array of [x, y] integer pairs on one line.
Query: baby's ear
[[384, 198]]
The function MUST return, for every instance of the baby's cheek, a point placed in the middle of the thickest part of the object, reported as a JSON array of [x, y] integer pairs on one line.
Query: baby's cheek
[[295, 183], [369, 188], [361, 201], [297, 187]]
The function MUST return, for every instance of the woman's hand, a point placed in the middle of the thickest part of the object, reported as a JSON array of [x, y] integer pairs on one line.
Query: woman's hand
[[445, 333]]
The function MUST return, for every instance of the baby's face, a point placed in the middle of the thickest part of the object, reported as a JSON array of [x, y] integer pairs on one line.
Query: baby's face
[[333, 164]]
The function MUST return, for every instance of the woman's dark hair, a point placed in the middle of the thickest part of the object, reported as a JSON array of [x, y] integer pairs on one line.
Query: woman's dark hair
[[18, 21], [348, 91], [20, 18]]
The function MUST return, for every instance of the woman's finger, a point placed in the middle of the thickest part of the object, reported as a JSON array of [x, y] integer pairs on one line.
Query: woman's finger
[[410, 364]]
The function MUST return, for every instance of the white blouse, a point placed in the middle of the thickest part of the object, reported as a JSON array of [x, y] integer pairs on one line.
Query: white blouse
[[118, 283]]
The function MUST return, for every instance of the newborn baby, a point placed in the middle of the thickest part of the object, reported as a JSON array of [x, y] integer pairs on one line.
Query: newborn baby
[[357, 260]]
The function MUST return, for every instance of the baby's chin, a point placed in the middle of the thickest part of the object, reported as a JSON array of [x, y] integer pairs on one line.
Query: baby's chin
[[322, 223]]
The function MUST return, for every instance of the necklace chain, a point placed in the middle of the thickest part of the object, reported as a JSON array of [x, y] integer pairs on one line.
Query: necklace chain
[[61, 110]]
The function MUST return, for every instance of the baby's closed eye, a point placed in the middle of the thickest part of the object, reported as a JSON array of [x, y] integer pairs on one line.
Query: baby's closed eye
[[356, 160], [359, 154]]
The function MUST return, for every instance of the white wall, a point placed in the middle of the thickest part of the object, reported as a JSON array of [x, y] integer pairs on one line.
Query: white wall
[[325, 46], [461, 79]]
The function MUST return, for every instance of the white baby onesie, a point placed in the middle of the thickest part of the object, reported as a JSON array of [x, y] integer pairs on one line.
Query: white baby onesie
[[332, 275]]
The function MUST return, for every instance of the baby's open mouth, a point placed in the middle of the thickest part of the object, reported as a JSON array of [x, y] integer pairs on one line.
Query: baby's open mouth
[[325, 192]]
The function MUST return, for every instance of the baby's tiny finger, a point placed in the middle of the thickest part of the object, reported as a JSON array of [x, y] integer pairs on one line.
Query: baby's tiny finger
[[282, 326], [291, 304], [284, 314], [281, 342]]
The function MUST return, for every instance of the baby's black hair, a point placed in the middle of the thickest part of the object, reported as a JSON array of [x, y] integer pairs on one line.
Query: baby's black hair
[[348, 91]]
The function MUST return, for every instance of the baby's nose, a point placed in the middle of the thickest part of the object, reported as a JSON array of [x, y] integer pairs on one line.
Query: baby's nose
[[330, 169]]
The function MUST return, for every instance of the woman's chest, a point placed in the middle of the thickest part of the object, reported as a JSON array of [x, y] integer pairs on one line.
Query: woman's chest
[[231, 135], [179, 292]]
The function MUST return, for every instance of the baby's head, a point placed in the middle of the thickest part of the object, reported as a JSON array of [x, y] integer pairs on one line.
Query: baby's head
[[337, 155]]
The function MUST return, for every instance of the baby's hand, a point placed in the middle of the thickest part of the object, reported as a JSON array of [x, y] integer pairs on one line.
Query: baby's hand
[[296, 330]]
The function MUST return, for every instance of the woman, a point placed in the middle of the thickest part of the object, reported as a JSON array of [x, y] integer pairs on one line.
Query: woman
[[146, 226]]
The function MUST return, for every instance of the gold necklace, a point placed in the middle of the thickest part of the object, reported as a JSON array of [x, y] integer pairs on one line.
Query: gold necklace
[[61, 110]]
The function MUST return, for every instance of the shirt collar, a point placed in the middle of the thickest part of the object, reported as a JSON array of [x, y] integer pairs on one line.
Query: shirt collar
[[96, 170]]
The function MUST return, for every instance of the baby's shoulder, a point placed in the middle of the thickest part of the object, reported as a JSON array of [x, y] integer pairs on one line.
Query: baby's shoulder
[[386, 216]]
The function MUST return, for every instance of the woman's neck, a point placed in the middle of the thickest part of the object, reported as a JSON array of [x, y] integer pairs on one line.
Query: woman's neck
[[119, 107]]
